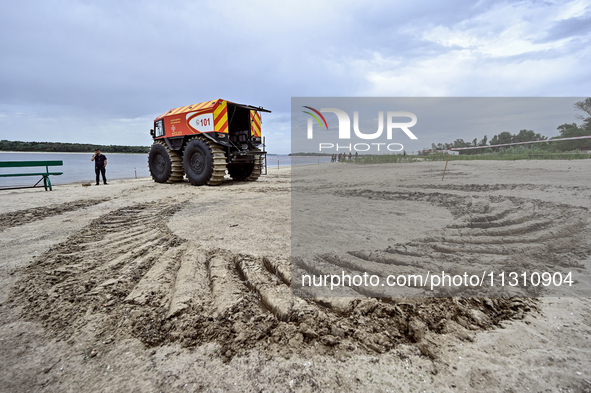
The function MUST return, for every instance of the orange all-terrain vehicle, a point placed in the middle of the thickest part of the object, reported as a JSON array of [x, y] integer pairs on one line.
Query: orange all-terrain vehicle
[[204, 140]]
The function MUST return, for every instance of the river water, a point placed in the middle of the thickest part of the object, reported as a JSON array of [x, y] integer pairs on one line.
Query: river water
[[78, 167]]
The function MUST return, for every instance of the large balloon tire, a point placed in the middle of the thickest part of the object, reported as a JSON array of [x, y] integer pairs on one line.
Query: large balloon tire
[[241, 172], [165, 164], [256, 171], [204, 162], [159, 163]]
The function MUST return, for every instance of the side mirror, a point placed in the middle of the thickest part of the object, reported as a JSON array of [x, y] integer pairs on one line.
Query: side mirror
[[152, 133]]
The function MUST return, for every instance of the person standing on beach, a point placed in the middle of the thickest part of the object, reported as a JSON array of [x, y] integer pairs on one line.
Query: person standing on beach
[[100, 163]]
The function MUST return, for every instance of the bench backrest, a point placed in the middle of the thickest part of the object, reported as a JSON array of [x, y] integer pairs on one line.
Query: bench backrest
[[20, 164]]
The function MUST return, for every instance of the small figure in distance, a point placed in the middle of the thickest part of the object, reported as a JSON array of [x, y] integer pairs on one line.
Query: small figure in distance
[[350, 156], [100, 162], [356, 155], [404, 152]]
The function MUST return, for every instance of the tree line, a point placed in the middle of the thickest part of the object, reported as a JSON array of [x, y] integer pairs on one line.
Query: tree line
[[565, 131], [61, 147]]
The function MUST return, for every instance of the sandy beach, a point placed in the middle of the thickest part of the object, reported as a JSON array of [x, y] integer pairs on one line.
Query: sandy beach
[[147, 287]]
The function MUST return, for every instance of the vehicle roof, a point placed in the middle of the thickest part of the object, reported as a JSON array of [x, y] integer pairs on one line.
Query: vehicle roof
[[204, 106], [191, 108]]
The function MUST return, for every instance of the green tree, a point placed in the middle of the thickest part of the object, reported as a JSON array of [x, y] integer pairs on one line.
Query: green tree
[[584, 106], [6, 145], [505, 137], [569, 131], [460, 143], [528, 136]]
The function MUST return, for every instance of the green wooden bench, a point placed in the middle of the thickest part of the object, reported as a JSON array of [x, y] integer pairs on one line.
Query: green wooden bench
[[23, 164]]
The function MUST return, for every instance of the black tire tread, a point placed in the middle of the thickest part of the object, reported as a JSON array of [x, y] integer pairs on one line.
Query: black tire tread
[[219, 161], [256, 172], [178, 173], [219, 164]]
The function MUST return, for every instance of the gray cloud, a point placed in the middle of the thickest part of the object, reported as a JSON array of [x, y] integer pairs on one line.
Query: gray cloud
[[568, 28]]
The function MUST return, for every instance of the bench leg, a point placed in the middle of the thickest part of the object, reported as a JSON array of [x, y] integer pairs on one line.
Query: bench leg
[[48, 184]]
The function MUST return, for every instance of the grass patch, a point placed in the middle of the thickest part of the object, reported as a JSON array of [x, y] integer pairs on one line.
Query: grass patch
[[507, 154], [510, 156], [383, 159]]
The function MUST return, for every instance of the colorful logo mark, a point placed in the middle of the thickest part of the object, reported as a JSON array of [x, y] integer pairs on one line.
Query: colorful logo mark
[[314, 116]]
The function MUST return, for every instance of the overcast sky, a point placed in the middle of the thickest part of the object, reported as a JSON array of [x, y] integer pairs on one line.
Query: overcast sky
[[101, 71]]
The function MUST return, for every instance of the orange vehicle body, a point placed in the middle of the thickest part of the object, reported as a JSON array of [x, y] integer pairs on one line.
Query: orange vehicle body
[[203, 142], [205, 117]]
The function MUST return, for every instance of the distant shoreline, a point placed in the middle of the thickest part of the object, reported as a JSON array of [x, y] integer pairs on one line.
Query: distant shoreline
[[92, 152], [67, 147], [61, 152]]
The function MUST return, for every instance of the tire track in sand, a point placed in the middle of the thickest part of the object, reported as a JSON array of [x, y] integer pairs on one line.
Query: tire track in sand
[[127, 275], [488, 234], [22, 217]]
